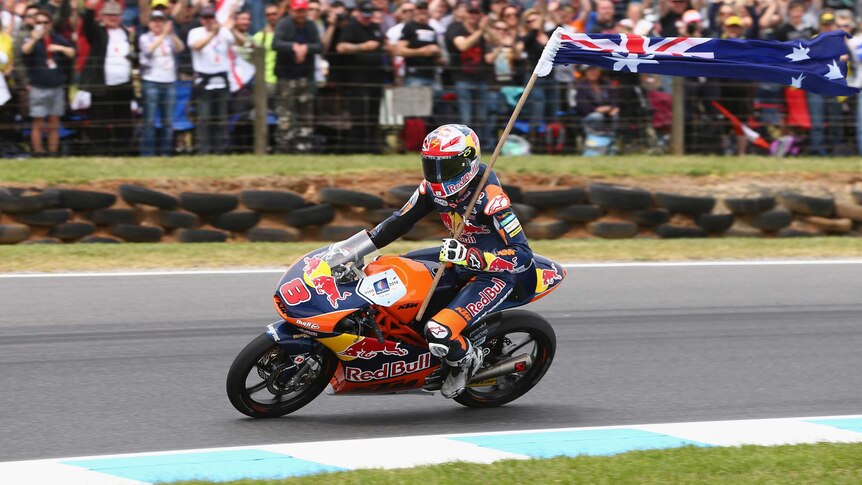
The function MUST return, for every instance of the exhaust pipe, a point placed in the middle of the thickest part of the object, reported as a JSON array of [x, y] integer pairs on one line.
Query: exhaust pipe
[[519, 363]]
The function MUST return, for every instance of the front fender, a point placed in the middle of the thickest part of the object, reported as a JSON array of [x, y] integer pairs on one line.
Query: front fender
[[284, 335]]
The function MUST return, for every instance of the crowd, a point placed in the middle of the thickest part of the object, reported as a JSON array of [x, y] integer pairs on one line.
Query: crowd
[[159, 77]]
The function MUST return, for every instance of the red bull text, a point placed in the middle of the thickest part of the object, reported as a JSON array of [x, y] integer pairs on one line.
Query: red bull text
[[388, 370], [488, 295]]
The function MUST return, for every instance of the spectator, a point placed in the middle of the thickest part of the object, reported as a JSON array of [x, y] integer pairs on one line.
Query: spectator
[[264, 38], [7, 107], [825, 111], [737, 95], [501, 53], [296, 41], [63, 16], [637, 23], [795, 28], [465, 41], [158, 48], [596, 103], [48, 58], [24, 32], [418, 45], [107, 75], [603, 21], [672, 13], [361, 44], [532, 45], [440, 17], [242, 72], [403, 14], [210, 45]]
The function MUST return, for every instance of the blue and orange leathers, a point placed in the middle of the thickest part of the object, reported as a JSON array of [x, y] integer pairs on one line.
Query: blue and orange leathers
[[499, 266]]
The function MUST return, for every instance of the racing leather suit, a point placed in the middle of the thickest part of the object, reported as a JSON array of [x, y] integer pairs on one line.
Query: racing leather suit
[[499, 260]]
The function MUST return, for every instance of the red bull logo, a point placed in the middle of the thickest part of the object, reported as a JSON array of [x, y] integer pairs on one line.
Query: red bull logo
[[388, 370], [369, 348], [318, 275], [500, 264], [453, 219], [326, 285], [546, 277], [488, 295]]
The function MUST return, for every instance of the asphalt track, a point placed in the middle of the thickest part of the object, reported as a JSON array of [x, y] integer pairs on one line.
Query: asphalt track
[[119, 364]]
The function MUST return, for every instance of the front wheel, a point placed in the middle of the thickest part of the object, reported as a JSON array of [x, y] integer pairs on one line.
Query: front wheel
[[519, 332], [267, 380]]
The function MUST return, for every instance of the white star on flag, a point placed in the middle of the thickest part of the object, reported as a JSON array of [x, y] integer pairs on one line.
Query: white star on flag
[[834, 71], [799, 54], [630, 61], [797, 82]]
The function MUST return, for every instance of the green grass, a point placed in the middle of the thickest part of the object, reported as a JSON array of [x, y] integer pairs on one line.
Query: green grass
[[820, 463], [86, 169], [97, 257]]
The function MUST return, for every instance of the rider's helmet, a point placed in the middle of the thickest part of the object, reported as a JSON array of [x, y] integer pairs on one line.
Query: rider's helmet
[[450, 159]]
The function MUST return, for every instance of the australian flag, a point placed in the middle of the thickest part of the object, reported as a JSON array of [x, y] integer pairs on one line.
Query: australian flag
[[813, 65]]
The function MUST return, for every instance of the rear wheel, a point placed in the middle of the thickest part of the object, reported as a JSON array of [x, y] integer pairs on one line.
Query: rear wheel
[[268, 381], [525, 334]]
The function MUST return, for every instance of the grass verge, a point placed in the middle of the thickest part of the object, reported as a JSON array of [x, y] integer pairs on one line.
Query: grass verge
[[87, 169], [818, 463], [97, 257]]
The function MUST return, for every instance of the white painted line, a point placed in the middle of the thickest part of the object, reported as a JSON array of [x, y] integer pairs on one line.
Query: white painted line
[[652, 264], [756, 432], [398, 452]]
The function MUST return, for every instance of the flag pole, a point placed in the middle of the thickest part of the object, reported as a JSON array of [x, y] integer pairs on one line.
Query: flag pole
[[543, 68]]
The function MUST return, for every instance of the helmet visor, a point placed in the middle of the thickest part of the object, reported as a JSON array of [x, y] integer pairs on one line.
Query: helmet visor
[[442, 169]]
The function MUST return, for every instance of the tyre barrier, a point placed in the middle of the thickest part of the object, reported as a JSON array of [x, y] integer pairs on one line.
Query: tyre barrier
[[600, 210]]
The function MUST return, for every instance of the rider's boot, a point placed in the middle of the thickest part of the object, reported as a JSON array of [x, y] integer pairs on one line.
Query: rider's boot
[[461, 371]]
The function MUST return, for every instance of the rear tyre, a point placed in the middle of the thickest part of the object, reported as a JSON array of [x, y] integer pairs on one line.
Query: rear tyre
[[518, 333], [259, 382]]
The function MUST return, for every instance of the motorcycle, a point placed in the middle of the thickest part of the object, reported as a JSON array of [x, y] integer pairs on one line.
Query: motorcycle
[[349, 326]]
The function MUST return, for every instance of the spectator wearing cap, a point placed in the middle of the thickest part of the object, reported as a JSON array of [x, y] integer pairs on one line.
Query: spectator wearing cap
[[418, 46], [465, 41], [361, 45], [210, 45], [825, 111], [170, 10], [296, 42], [107, 75], [690, 24], [48, 59], [737, 95], [158, 48]]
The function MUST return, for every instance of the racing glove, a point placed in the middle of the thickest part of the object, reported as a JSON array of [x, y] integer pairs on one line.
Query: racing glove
[[452, 251]]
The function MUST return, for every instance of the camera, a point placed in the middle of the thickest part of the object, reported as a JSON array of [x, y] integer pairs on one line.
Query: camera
[[691, 28], [341, 17]]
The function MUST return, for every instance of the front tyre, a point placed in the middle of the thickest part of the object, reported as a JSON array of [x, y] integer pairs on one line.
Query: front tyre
[[267, 380], [517, 333]]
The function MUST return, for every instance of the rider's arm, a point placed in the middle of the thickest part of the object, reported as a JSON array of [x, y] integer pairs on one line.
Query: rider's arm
[[512, 253], [402, 220]]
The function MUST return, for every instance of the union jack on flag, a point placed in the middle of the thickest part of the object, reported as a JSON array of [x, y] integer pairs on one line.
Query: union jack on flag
[[813, 65]]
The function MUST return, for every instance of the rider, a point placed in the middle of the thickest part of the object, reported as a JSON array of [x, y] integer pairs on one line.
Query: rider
[[491, 255]]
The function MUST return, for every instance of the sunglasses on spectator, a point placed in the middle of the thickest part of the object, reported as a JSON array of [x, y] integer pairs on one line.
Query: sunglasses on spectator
[[510, 15], [43, 22]]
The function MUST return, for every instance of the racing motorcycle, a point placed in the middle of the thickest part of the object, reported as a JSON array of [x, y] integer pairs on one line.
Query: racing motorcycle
[[349, 326]]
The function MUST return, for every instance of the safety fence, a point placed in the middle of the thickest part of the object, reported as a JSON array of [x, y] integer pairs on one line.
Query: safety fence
[[138, 214], [568, 114]]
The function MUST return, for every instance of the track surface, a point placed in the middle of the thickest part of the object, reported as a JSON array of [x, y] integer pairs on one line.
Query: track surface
[[96, 365]]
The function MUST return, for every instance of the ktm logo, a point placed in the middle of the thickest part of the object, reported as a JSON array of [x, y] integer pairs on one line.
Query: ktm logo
[[408, 305]]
